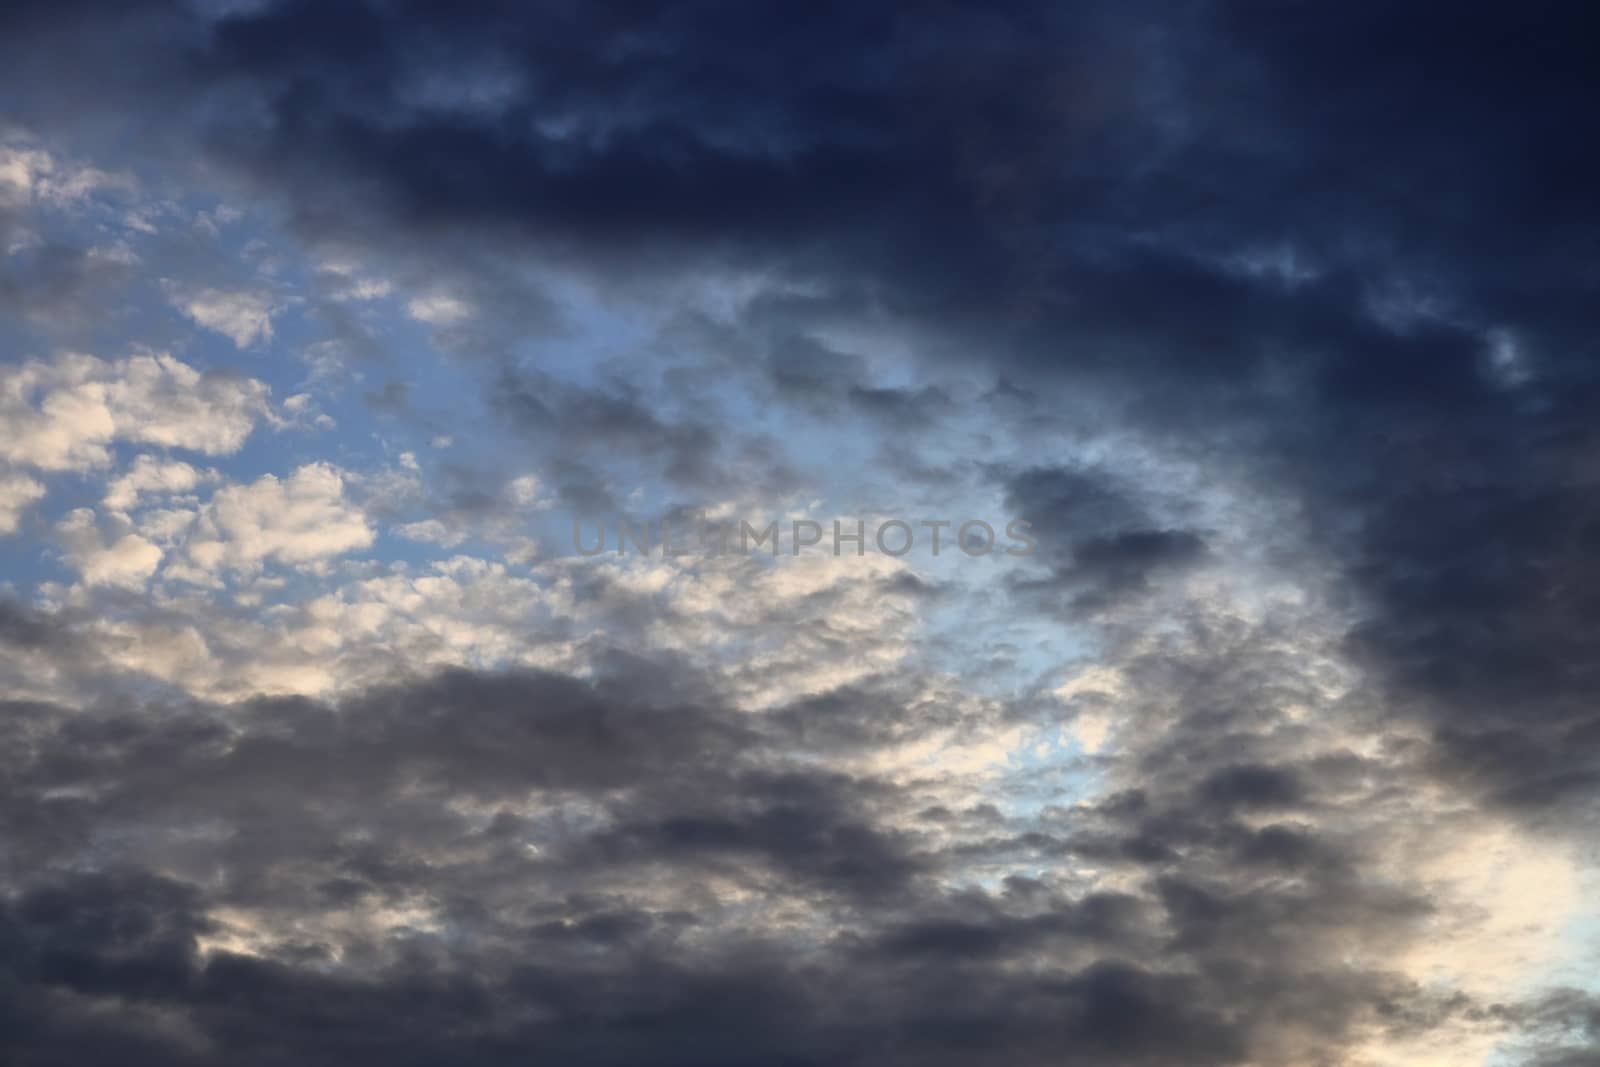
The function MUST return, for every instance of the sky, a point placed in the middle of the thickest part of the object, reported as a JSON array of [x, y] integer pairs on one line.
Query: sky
[[1261, 335]]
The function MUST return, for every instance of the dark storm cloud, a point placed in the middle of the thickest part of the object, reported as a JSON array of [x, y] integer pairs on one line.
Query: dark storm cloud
[[1100, 543], [564, 833], [1567, 1023], [830, 384], [24, 628], [585, 431], [598, 424], [567, 834], [1490, 623]]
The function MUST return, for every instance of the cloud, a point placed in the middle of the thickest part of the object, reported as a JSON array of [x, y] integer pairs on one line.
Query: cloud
[[17, 493], [1288, 357], [301, 519], [127, 561], [489, 835], [1102, 545], [431, 531], [29, 173], [348, 281], [66, 414], [438, 309], [651, 776], [148, 475], [244, 316]]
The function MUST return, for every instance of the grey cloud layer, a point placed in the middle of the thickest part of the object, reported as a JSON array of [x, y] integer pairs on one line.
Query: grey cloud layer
[[1338, 255], [607, 870]]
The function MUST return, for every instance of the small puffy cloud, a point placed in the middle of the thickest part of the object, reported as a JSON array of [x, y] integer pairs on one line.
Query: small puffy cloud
[[17, 494], [346, 280], [526, 492], [151, 475], [431, 531], [18, 168], [244, 316], [438, 309], [300, 411], [296, 520], [127, 561], [28, 174], [116, 253], [166, 526], [212, 222], [367, 289], [65, 414]]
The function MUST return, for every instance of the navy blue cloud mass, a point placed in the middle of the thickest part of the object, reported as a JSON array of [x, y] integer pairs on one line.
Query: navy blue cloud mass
[[1268, 329]]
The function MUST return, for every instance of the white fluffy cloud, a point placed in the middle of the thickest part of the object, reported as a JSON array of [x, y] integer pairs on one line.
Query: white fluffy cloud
[[151, 475], [127, 561], [244, 316], [431, 531], [17, 492], [299, 519], [458, 612], [65, 414]]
